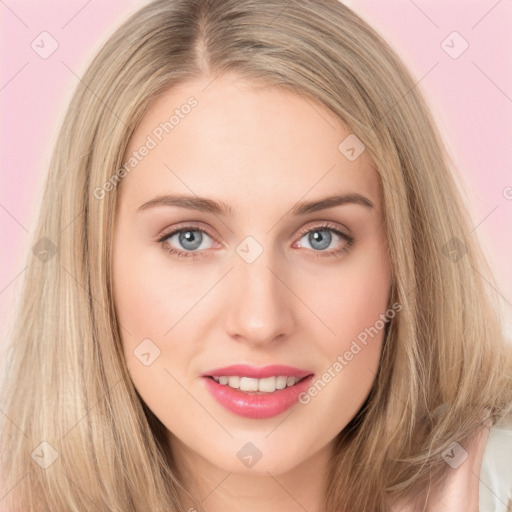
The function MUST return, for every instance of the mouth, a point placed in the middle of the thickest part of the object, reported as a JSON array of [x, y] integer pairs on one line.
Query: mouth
[[254, 386], [257, 398]]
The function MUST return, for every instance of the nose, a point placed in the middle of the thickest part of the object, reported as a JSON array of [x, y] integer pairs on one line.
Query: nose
[[261, 306]]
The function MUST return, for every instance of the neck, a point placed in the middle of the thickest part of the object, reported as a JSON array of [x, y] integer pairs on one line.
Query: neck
[[213, 489]]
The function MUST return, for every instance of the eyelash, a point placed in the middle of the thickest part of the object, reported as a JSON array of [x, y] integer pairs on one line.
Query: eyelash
[[349, 240]]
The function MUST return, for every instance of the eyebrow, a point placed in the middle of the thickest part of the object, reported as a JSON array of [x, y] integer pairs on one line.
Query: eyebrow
[[221, 208]]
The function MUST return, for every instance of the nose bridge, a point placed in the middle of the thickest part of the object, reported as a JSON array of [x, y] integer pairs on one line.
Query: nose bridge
[[261, 306]]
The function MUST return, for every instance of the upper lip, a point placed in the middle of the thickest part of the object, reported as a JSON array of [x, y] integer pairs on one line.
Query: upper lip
[[244, 370]]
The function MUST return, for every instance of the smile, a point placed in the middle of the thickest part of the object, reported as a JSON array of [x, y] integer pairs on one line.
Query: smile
[[266, 385]]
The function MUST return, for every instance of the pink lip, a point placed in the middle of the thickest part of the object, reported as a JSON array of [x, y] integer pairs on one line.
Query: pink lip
[[257, 406], [244, 370]]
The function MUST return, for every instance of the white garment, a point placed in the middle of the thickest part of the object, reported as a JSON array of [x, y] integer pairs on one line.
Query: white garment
[[495, 489]]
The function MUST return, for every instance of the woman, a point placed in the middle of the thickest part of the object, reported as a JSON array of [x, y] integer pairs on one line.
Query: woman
[[265, 295]]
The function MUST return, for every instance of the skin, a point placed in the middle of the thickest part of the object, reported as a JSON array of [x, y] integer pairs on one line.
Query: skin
[[260, 150], [459, 490]]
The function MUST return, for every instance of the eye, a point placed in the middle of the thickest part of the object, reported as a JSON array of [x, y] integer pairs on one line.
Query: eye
[[185, 241], [191, 240], [322, 236]]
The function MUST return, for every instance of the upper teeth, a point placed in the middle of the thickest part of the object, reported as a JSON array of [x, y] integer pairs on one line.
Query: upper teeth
[[268, 384]]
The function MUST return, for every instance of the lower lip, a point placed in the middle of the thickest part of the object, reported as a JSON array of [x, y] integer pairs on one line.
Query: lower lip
[[257, 406]]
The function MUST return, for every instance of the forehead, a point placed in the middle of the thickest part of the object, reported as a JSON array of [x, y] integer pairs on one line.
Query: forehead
[[235, 140]]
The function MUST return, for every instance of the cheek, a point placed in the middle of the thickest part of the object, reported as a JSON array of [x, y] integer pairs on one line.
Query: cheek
[[352, 303], [145, 311], [352, 299], [148, 306], [149, 295]]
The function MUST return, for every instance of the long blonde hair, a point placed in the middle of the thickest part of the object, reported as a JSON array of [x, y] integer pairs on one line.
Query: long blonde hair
[[444, 359]]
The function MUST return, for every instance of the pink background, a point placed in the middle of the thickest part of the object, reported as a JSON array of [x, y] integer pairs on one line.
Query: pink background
[[471, 97]]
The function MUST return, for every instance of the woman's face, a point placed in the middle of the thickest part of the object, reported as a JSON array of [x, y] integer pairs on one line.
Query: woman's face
[[264, 273]]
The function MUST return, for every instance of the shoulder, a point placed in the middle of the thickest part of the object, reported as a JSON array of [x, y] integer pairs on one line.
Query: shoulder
[[495, 492], [484, 480], [479, 478], [459, 491]]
